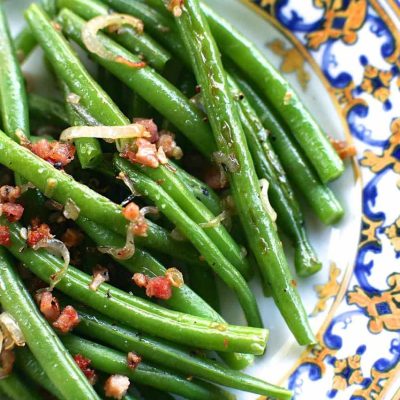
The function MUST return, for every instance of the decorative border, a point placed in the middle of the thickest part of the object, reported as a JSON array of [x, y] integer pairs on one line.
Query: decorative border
[[342, 24]]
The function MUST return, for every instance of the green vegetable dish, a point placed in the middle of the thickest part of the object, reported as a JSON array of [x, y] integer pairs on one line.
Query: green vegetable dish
[[145, 181]]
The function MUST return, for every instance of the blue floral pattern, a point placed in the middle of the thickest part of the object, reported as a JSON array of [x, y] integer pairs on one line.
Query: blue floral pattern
[[367, 89]]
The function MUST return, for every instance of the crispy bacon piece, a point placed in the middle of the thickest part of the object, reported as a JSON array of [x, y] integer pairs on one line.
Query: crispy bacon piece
[[150, 126], [38, 232], [5, 238], [9, 194], [343, 148], [159, 287], [145, 154], [12, 211], [132, 213], [116, 386], [167, 142], [215, 177], [84, 364], [140, 280], [67, 320], [56, 153], [49, 306], [175, 6], [133, 360]]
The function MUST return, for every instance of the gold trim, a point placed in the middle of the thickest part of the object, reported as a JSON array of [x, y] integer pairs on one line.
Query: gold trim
[[356, 169]]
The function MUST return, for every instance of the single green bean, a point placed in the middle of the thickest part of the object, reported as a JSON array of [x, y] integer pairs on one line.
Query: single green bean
[[137, 43], [214, 257], [152, 87], [169, 355], [136, 312], [88, 149], [49, 110], [201, 190], [41, 339], [13, 98], [114, 362], [15, 388], [159, 26], [24, 44], [267, 165], [198, 212], [231, 141], [31, 369], [280, 95], [62, 187], [318, 196]]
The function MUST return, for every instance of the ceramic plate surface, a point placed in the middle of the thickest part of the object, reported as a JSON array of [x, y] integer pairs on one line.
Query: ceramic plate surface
[[343, 57]]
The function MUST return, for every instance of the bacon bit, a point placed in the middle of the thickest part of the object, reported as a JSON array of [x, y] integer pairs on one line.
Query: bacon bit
[[343, 149], [136, 64], [37, 232], [175, 6], [189, 378], [226, 343], [9, 194], [150, 126], [286, 99], [49, 306], [132, 213], [67, 320], [7, 359], [56, 153], [72, 237], [12, 211], [84, 364], [159, 287], [140, 280], [167, 142], [116, 386], [5, 238], [293, 283], [100, 275], [215, 177], [145, 154], [133, 360]]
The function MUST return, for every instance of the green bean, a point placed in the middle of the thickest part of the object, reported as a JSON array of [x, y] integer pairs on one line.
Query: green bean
[[256, 221], [137, 43], [13, 99], [318, 196], [113, 362], [170, 356], [41, 339], [198, 212], [15, 388], [46, 109], [183, 299], [203, 282], [159, 26], [267, 165], [200, 190], [136, 312], [88, 149], [149, 393], [24, 44], [62, 187], [29, 366], [214, 257], [152, 87], [280, 95]]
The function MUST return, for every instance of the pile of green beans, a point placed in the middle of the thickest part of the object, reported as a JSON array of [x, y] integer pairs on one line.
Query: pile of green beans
[[245, 120]]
